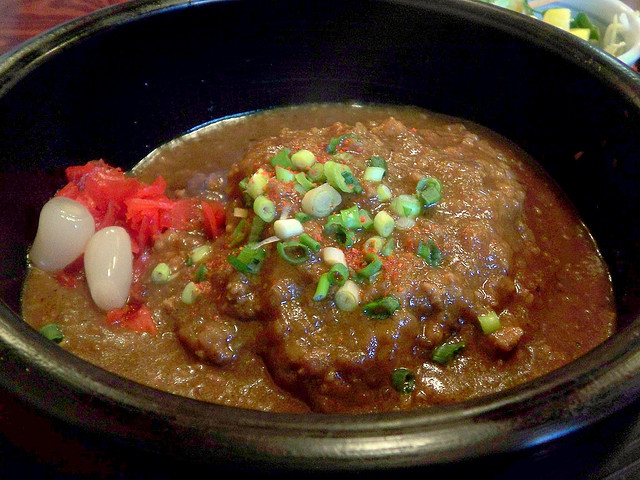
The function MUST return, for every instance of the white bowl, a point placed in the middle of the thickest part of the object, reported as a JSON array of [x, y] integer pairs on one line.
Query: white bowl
[[601, 13]]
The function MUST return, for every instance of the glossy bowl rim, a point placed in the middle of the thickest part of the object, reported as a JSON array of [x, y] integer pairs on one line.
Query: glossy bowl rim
[[560, 402]]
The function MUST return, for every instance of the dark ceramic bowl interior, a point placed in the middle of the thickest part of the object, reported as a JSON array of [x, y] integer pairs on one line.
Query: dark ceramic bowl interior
[[123, 81]]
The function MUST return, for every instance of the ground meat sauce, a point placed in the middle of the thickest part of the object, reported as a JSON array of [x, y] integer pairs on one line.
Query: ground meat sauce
[[501, 244]]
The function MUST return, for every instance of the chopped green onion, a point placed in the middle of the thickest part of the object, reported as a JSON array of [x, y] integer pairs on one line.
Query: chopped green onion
[[365, 219], [239, 233], [403, 380], [489, 322], [406, 206], [350, 217], [201, 273], [302, 217], [282, 159], [582, 20], [428, 190], [321, 201], [303, 159], [322, 289], [304, 182], [248, 259], [293, 252], [198, 254], [388, 248], [240, 212], [374, 174], [429, 251], [342, 234], [308, 241], [264, 208], [333, 255], [371, 270], [316, 173], [373, 244], [287, 228], [383, 223], [444, 353], [347, 297], [336, 142], [243, 184], [333, 172], [283, 175], [257, 227], [383, 193], [189, 293], [161, 274], [382, 308], [352, 182], [52, 331], [378, 162], [257, 183], [338, 274]]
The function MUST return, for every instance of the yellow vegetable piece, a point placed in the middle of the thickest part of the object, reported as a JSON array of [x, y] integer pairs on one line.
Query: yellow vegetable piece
[[558, 17], [583, 33]]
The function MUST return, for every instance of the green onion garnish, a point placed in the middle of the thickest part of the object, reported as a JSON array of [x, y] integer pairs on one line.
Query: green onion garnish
[[429, 251], [308, 241], [373, 245], [365, 219], [383, 223], [198, 254], [347, 297], [444, 353], [382, 308], [388, 248], [348, 217], [489, 322], [293, 252], [161, 274], [287, 228], [338, 274], [189, 293], [257, 226], [304, 182], [201, 273], [428, 190], [336, 142], [321, 201], [283, 175], [378, 162], [51, 331], [316, 173], [342, 234], [302, 217], [257, 183], [383, 193], [582, 20], [264, 208], [374, 174], [282, 159], [403, 380], [322, 288], [248, 259], [352, 182], [371, 270], [406, 206], [239, 233], [303, 159]]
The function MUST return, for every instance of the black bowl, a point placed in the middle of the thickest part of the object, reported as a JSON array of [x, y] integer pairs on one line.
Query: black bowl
[[118, 83]]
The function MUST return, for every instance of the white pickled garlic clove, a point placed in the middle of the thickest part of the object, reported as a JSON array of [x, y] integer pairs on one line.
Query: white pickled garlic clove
[[108, 264], [64, 228]]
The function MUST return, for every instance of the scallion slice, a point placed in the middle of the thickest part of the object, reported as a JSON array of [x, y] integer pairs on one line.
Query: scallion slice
[[248, 259], [282, 159], [264, 208], [303, 181], [373, 245], [429, 251], [303, 159], [489, 322], [189, 293], [257, 183], [302, 217], [428, 190], [321, 201], [287, 228], [52, 331], [347, 297], [371, 270], [336, 142], [342, 234], [374, 174], [382, 308], [388, 248], [403, 380], [444, 353], [333, 255], [383, 193], [239, 233], [338, 274], [283, 175], [198, 254], [322, 289], [293, 252], [201, 273], [406, 206], [316, 173], [161, 274], [383, 223], [257, 227], [308, 241], [349, 217]]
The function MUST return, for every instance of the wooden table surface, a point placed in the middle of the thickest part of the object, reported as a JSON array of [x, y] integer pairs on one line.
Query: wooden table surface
[[31, 445]]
